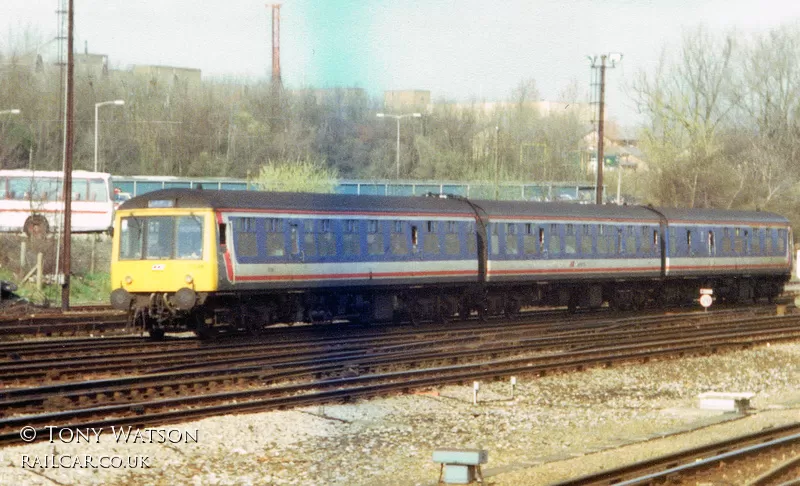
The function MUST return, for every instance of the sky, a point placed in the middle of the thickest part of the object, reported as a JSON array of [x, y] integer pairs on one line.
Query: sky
[[460, 50]]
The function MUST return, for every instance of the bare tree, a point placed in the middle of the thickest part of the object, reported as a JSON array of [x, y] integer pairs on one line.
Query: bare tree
[[687, 101]]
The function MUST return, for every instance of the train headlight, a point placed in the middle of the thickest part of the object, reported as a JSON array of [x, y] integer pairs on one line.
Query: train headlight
[[128, 279], [188, 279]]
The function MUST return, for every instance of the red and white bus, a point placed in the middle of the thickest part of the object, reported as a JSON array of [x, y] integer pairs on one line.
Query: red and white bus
[[32, 201]]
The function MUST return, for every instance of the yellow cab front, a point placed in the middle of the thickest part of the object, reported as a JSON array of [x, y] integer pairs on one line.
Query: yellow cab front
[[163, 250]]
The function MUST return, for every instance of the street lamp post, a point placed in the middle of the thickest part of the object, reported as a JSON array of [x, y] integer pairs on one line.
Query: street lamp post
[[398, 118], [96, 106], [15, 111]]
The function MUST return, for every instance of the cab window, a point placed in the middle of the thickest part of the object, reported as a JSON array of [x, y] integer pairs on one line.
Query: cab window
[[161, 237], [131, 238], [190, 238]]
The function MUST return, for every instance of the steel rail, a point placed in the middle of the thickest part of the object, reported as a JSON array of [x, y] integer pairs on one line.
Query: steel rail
[[690, 460], [194, 356], [320, 364], [343, 388]]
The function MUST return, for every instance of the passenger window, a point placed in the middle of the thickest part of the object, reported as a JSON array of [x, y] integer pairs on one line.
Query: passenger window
[[630, 245], [570, 240], [398, 239], [512, 246], [555, 240], [431, 241], [294, 239], [374, 239], [646, 243], [586, 240], [472, 239], [673, 242], [495, 239], [325, 239], [756, 242], [738, 242], [350, 240], [452, 245], [746, 238], [245, 232], [602, 240], [309, 248], [275, 243]]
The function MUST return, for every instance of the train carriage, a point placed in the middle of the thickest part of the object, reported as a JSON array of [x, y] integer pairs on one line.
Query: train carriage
[[194, 259], [740, 254]]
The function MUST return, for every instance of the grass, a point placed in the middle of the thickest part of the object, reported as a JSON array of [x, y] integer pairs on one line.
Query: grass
[[92, 288]]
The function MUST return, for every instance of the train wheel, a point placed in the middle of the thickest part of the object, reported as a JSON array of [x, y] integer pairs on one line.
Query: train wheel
[[639, 300], [156, 334], [413, 318], [443, 311], [205, 332], [464, 310], [572, 305], [512, 308]]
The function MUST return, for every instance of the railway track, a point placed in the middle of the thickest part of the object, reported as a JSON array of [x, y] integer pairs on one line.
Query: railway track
[[376, 366], [38, 362], [25, 320], [767, 457], [79, 320]]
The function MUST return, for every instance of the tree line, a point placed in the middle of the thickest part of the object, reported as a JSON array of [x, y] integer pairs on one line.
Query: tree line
[[234, 129], [720, 127]]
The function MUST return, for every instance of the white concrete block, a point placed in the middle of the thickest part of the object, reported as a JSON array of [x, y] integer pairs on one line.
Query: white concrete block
[[725, 401]]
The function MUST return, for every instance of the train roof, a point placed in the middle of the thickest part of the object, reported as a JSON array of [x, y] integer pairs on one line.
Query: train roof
[[457, 206], [721, 215]]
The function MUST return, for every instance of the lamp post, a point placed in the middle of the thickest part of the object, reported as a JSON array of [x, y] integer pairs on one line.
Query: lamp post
[[96, 106], [398, 118], [15, 111], [613, 58]]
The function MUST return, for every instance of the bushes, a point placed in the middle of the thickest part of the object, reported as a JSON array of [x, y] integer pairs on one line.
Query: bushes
[[85, 285]]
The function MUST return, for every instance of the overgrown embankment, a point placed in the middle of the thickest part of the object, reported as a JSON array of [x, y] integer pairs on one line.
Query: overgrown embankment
[[90, 256]]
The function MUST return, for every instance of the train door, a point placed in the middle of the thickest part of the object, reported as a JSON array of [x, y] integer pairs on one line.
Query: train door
[[414, 239]]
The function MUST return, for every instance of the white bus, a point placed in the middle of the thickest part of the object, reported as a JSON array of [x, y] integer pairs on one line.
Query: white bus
[[32, 201]]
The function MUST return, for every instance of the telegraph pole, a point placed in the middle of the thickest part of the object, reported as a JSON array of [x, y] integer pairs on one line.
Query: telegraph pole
[[276, 42], [67, 188], [613, 58]]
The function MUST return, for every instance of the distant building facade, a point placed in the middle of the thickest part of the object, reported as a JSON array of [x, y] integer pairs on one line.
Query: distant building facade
[[168, 76], [91, 65], [407, 101]]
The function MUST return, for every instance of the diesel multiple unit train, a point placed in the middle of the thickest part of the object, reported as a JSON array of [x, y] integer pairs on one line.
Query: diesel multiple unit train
[[186, 259]]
